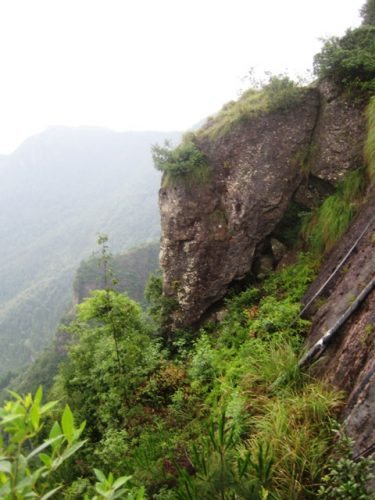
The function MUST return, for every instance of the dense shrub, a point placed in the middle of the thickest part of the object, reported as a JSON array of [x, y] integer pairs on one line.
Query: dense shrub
[[350, 60], [185, 165]]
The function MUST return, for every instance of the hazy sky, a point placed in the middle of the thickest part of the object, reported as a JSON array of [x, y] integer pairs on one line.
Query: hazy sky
[[147, 64]]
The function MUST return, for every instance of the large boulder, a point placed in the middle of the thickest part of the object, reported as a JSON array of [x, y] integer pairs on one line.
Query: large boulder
[[210, 232]]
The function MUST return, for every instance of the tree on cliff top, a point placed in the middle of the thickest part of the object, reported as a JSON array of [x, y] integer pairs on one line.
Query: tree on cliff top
[[368, 13]]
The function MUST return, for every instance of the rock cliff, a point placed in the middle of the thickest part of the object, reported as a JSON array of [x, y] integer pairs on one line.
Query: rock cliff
[[213, 233]]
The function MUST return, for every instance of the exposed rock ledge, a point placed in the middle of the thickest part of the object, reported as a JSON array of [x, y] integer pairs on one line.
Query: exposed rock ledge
[[210, 233]]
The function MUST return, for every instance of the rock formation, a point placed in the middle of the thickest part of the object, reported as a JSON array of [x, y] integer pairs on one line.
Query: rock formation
[[212, 232]]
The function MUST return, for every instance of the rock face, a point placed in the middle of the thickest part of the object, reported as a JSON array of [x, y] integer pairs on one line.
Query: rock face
[[211, 232], [349, 361], [337, 147]]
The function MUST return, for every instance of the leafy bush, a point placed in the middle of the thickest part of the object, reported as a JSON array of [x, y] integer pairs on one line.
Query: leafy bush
[[27, 461], [185, 165], [202, 361], [350, 60], [346, 477]]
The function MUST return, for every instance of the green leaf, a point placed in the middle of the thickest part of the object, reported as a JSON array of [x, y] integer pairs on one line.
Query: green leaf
[[42, 447], [47, 407], [55, 430], [15, 395], [46, 459], [38, 396], [120, 482], [35, 415], [11, 418], [67, 453], [51, 493], [100, 475], [67, 423], [5, 466]]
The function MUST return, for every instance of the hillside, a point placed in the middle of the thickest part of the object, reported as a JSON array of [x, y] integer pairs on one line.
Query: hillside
[[131, 271], [251, 375], [58, 190]]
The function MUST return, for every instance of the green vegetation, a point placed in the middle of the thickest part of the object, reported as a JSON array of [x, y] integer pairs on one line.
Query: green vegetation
[[26, 465], [268, 426], [370, 140], [131, 270], [368, 13], [278, 94], [350, 60], [347, 476], [30, 458], [325, 225], [185, 165], [70, 185]]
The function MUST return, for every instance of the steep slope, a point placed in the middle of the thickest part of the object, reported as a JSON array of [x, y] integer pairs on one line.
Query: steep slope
[[57, 191], [349, 360]]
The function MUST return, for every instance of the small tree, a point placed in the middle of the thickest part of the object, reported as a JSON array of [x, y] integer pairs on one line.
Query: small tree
[[350, 60], [368, 13]]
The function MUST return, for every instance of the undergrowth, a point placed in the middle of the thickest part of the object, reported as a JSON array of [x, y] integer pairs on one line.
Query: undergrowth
[[235, 370], [226, 415]]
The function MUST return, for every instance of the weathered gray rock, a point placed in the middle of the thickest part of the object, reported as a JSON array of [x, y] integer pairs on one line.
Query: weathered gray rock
[[278, 250], [337, 146], [210, 232]]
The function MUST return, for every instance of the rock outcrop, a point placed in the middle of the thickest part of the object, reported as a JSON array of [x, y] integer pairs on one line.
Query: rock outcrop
[[211, 233]]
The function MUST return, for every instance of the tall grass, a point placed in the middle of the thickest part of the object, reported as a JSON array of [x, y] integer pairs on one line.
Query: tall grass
[[250, 369], [279, 93], [297, 429], [328, 223]]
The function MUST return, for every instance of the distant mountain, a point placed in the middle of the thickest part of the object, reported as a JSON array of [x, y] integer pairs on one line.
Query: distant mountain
[[58, 190]]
